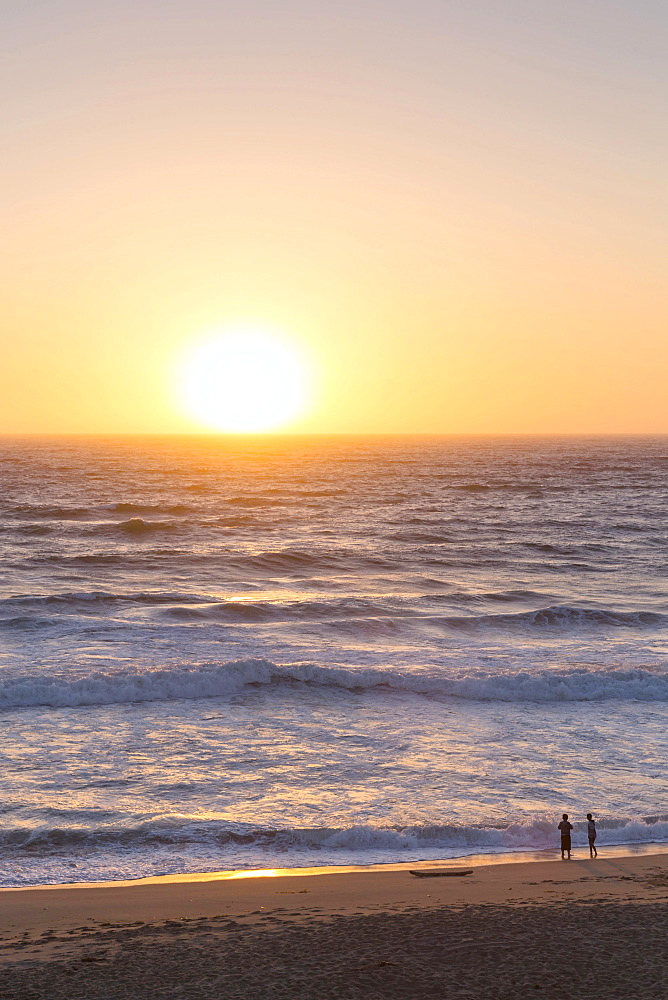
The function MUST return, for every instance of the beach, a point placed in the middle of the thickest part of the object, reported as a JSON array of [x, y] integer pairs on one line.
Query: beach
[[548, 928]]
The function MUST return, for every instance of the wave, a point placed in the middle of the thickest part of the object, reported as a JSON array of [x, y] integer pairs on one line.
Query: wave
[[98, 599], [272, 562], [23, 623], [234, 521], [65, 513], [255, 501], [497, 596], [92, 559], [348, 609], [467, 598], [563, 617], [365, 628], [539, 835], [186, 830], [51, 511], [220, 680], [148, 508], [555, 550], [137, 526], [34, 530], [296, 561], [322, 493], [343, 612], [420, 538]]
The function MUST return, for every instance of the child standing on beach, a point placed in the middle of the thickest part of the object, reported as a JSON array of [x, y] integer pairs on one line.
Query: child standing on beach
[[565, 829], [591, 834]]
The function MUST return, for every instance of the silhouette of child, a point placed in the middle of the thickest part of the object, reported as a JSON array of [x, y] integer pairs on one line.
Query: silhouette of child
[[565, 828], [591, 834]]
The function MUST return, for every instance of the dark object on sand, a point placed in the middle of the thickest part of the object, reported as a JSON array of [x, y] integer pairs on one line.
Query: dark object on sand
[[440, 872]]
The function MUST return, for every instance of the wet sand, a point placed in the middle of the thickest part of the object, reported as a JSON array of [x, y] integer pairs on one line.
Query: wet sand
[[550, 929]]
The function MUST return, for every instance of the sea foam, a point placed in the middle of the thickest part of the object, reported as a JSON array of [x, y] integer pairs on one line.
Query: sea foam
[[537, 835], [220, 680]]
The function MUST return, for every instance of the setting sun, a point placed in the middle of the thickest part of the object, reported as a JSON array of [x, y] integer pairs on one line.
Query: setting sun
[[244, 380]]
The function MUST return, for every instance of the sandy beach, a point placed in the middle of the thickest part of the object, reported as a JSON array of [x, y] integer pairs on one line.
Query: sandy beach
[[552, 928]]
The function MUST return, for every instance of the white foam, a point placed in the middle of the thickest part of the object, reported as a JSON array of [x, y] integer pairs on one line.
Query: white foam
[[540, 835], [214, 680], [187, 830]]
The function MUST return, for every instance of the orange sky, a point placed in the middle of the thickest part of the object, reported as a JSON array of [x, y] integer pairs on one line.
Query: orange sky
[[455, 212]]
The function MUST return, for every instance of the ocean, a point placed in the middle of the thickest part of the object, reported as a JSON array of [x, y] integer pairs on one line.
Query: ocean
[[221, 653]]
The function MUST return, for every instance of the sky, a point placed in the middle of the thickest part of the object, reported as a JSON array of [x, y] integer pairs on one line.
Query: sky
[[453, 213]]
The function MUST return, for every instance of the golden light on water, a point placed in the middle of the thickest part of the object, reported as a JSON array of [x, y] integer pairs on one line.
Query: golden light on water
[[243, 380]]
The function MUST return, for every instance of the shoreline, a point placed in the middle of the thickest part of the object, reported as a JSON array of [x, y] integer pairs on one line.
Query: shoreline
[[336, 888], [478, 860]]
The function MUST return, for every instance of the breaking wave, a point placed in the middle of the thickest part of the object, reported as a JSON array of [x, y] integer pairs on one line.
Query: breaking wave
[[186, 830], [216, 680]]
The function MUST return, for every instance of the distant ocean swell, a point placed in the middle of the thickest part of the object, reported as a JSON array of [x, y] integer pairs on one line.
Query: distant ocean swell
[[201, 606], [277, 562], [215, 680], [539, 835]]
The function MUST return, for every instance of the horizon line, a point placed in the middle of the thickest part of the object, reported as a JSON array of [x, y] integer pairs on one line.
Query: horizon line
[[241, 435]]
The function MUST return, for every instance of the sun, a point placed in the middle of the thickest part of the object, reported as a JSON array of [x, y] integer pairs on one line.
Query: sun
[[244, 380]]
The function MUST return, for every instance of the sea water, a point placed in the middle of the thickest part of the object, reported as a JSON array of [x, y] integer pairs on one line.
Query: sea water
[[226, 653]]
